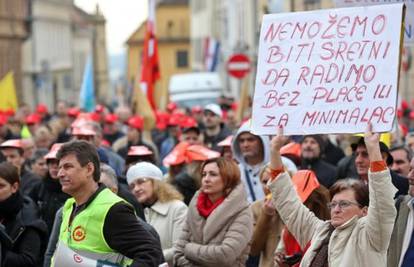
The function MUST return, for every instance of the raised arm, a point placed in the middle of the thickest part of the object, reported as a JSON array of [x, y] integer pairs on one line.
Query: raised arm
[[381, 210], [300, 221]]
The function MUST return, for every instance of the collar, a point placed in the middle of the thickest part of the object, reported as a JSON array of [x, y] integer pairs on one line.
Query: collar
[[89, 201], [350, 222], [410, 204], [161, 208]]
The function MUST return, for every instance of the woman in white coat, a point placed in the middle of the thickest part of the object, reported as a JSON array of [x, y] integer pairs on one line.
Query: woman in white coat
[[164, 208], [359, 231]]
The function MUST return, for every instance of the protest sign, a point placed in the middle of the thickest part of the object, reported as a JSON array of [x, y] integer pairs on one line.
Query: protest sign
[[328, 71], [409, 14]]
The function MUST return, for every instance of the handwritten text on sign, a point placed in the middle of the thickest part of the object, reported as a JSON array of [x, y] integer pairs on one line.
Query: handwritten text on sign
[[328, 71], [409, 14]]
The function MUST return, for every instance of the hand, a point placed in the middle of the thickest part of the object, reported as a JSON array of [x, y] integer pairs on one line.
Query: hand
[[268, 207], [278, 140], [372, 144], [279, 259], [276, 143]]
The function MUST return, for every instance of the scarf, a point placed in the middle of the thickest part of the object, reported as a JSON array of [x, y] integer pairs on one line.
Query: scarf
[[11, 206], [321, 257], [204, 205]]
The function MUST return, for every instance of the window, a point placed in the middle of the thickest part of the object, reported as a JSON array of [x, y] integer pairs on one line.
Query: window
[[182, 59]]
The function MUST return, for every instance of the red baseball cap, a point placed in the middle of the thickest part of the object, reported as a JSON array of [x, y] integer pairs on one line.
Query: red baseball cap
[[33, 119], [53, 151], [111, 118], [12, 143], [139, 151], [136, 122], [3, 119], [73, 112], [82, 131], [171, 106], [99, 108], [41, 109]]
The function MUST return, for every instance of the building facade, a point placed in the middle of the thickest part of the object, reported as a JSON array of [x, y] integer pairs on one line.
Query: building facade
[[14, 29], [62, 38]]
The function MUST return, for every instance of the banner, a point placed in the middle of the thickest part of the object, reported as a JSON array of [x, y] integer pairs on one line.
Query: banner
[[150, 71], [328, 71], [8, 99], [409, 14]]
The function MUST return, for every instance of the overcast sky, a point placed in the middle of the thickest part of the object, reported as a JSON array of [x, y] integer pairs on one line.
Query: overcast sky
[[122, 18]]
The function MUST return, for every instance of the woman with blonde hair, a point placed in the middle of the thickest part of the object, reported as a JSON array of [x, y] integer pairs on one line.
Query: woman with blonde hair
[[164, 208], [219, 223]]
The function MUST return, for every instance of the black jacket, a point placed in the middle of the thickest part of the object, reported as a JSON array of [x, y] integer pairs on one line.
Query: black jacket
[[28, 234], [212, 141], [186, 185], [28, 180], [49, 198]]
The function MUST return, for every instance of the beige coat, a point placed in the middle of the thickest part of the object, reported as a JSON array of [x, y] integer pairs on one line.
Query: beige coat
[[266, 235], [358, 242], [167, 219], [220, 240]]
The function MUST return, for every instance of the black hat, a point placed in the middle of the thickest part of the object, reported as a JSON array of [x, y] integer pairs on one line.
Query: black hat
[[383, 148]]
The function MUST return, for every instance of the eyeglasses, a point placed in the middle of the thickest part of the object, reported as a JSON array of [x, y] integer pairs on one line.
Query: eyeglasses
[[343, 204]]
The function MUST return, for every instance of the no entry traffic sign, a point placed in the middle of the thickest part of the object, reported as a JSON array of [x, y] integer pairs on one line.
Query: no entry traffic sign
[[238, 66]]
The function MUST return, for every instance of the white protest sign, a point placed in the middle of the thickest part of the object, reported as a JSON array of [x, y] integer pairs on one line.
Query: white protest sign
[[409, 14], [328, 71]]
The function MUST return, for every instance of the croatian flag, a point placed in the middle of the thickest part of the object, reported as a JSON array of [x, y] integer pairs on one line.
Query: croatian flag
[[211, 53]]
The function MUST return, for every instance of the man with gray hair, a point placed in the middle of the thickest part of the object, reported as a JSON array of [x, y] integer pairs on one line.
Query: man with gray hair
[[108, 178]]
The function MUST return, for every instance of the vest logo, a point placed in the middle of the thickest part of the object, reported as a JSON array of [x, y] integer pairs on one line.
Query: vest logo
[[77, 258], [78, 234]]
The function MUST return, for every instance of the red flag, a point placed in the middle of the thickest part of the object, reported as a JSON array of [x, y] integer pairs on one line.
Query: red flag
[[150, 71]]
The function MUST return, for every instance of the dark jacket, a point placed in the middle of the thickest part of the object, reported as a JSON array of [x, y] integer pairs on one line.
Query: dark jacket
[[111, 138], [124, 192], [49, 198], [212, 141], [186, 185], [28, 180], [28, 233], [397, 237], [332, 154], [325, 172]]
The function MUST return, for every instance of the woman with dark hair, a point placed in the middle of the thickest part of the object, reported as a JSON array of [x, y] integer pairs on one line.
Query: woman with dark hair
[[48, 194], [22, 233], [361, 224], [219, 223]]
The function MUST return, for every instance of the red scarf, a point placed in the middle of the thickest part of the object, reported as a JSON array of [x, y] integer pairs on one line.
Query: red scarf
[[205, 206], [291, 245]]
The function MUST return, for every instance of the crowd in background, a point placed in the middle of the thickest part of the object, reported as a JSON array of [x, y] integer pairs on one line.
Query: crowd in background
[[204, 186]]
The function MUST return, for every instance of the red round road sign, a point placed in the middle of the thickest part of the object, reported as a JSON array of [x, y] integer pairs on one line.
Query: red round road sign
[[238, 66]]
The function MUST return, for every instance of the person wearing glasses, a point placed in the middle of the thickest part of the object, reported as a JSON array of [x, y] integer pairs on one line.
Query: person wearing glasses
[[361, 224], [164, 206]]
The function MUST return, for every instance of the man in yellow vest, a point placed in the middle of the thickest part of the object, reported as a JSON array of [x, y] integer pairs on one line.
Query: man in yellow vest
[[98, 227]]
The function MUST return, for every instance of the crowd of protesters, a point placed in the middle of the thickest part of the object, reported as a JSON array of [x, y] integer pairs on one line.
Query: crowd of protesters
[[199, 189]]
